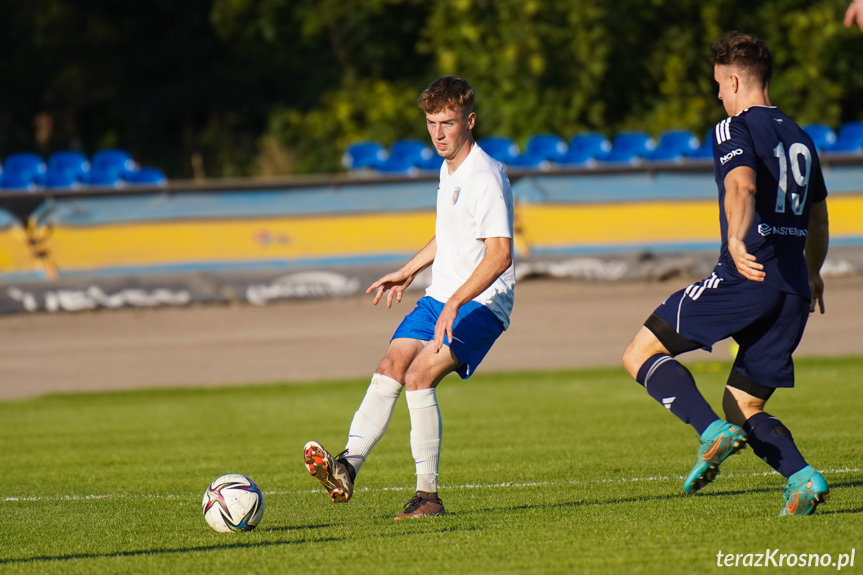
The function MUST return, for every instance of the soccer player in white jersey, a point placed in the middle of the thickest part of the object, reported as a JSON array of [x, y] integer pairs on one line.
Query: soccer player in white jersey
[[464, 310]]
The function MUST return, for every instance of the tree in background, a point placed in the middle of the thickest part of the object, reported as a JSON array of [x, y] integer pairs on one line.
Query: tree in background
[[265, 87]]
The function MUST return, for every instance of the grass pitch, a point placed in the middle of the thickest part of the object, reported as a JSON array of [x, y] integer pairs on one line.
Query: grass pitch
[[576, 471]]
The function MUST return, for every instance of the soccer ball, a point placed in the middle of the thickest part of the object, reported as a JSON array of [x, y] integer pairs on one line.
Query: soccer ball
[[233, 503]]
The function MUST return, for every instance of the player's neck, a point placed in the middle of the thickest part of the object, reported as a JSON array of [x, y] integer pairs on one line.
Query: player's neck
[[453, 164], [754, 98]]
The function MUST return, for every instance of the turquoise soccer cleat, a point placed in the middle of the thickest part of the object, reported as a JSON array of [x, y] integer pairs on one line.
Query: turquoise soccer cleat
[[804, 491], [718, 442]]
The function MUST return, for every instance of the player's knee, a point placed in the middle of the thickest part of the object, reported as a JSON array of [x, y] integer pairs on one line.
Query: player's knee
[[389, 368], [415, 379]]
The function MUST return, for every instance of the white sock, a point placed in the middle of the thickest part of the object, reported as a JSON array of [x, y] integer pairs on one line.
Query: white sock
[[426, 430], [372, 418]]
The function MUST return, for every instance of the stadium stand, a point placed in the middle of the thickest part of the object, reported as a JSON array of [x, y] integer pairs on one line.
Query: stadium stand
[[24, 169], [363, 155], [822, 135], [583, 149], [500, 148], [673, 146], [850, 140], [71, 161], [628, 148]]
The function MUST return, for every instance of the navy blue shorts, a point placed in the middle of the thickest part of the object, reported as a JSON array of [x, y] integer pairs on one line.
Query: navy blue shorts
[[767, 324], [474, 331]]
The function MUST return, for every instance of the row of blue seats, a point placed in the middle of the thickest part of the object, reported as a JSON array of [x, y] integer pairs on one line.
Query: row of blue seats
[[72, 170], [545, 151]]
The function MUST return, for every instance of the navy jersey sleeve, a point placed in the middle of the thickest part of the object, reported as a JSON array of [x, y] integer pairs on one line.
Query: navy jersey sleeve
[[733, 146]]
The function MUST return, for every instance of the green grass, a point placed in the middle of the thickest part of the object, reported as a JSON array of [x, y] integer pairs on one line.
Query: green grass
[[556, 472]]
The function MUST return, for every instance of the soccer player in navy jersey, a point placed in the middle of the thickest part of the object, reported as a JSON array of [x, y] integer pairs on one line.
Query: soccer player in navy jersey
[[773, 219]]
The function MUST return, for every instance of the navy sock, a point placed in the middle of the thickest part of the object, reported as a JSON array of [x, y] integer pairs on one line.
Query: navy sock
[[772, 442], [671, 384]]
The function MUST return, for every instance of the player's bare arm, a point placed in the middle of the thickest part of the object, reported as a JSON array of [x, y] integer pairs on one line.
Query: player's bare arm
[[817, 241], [395, 283], [740, 210], [497, 259]]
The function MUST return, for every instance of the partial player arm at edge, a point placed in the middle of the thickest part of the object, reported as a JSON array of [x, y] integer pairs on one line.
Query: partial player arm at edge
[[740, 211], [397, 282], [497, 259], [815, 252]]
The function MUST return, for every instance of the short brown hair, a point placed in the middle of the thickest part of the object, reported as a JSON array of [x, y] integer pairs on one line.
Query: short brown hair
[[451, 92], [746, 52]]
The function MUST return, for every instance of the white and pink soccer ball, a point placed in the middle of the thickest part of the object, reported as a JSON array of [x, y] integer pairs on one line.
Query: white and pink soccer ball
[[233, 503]]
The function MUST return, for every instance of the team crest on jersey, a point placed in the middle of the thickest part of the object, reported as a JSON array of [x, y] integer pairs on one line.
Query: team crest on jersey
[[455, 195]]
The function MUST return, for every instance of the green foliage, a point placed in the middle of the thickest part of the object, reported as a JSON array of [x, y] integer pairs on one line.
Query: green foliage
[[541, 472], [231, 81]]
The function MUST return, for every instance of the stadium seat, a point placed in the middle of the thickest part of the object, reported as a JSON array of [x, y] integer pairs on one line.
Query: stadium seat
[[70, 161], [673, 146], [60, 180], [583, 149], [849, 141], [411, 150], [529, 161], [148, 176], [628, 148], [547, 146], [500, 148], [362, 155], [25, 165], [705, 150], [822, 135], [16, 181], [119, 161], [432, 164], [397, 167], [101, 178]]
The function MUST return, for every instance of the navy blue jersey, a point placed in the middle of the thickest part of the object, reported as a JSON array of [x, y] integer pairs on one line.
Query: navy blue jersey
[[788, 180]]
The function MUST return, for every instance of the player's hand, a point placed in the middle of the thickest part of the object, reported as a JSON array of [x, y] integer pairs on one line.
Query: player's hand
[[745, 262], [816, 286], [444, 324], [854, 14], [393, 284]]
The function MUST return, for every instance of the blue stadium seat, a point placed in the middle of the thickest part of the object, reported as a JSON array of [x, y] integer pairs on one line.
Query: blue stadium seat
[[17, 181], [850, 140], [705, 150], [673, 146], [362, 155], [148, 176], [822, 135], [119, 161], [101, 178], [403, 157], [25, 165], [61, 180], [628, 148], [70, 161], [412, 150], [529, 161], [500, 148], [547, 146], [397, 167], [432, 164], [583, 149]]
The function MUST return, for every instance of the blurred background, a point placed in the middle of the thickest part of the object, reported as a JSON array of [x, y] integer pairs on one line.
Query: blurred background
[[234, 88]]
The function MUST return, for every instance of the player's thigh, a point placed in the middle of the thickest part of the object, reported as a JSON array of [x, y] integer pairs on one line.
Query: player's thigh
[[709, 311], [766, 346], [400, 354], [429, 367]]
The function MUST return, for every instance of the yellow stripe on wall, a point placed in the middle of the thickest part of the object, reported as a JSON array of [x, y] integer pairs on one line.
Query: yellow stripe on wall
[[237, 240], [15, 253], [609, 224]]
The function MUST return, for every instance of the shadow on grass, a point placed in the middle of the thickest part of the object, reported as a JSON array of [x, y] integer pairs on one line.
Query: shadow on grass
[[150, 552]]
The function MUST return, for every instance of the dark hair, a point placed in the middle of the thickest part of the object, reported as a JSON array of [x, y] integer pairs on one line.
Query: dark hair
[[447, 92], [745, 52]]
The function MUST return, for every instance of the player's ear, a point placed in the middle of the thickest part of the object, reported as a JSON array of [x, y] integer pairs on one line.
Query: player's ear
[[735, 83], [471, 120]]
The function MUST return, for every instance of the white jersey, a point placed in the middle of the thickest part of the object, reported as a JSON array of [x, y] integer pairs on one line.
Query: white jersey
[[473, 203]]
